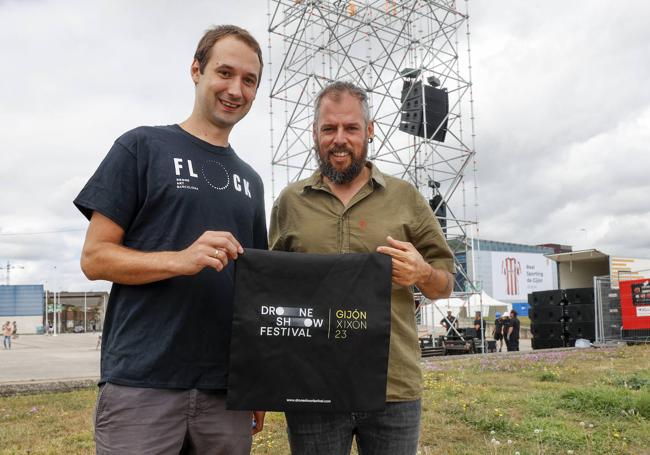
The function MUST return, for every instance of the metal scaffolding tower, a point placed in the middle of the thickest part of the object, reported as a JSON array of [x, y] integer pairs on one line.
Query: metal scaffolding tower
[[379, 45]]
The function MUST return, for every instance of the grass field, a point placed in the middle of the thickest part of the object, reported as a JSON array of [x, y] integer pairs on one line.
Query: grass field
[[552, 402]]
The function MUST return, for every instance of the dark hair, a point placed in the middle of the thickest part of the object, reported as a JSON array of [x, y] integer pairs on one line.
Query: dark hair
[[513, 312], [211, 36], [335, 89]]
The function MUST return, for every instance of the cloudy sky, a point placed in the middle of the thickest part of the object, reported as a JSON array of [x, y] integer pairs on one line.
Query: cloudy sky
[[562, 104]]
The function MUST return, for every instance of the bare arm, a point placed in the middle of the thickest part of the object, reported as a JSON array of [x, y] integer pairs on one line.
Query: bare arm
[[258, 419], [409, 267], [104, 257]]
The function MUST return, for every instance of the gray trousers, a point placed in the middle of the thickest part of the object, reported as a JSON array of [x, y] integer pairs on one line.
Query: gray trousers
[[134, 420]]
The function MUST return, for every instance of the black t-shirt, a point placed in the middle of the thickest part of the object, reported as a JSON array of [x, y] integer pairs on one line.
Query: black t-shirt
[[498, 325], [514, 323], [451, 320], [165, 187], [505, 323], [480, 323]]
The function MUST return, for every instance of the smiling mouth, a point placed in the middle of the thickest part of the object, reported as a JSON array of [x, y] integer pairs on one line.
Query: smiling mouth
[[229, 105], [340, 154], [340, 151]]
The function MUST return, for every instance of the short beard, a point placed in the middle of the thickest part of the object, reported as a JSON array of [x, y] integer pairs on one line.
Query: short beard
[[346, 175]]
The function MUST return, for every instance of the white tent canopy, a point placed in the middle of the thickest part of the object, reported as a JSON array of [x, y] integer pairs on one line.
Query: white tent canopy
[[432, 311]]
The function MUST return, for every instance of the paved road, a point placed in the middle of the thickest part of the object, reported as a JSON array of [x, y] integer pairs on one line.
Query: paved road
[[39, 358], [44, 358]]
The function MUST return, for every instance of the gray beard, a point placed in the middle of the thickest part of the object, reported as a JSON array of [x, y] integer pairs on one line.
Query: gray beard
[[348, 174]]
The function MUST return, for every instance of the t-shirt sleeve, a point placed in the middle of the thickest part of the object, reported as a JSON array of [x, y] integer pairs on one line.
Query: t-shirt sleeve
[[113, 188], [428, 238]]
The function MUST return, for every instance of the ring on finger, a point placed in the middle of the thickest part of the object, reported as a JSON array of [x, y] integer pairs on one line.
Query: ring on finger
[[217, 253]]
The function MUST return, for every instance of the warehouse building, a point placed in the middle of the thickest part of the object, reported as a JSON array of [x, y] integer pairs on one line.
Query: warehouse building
[[24, 304], [68, 311], [508, 272]]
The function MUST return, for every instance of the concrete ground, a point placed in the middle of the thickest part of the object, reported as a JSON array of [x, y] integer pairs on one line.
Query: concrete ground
[[39, 363], [40, 358], [43, 358]]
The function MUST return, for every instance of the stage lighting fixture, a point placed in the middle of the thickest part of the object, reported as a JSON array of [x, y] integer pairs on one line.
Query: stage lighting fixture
[[410, 73], [433, 81], [436, 202]]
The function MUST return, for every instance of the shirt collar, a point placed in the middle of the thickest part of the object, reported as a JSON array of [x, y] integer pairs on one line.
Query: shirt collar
[[316, 179]]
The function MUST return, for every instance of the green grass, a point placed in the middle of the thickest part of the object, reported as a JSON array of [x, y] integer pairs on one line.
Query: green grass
[[585, 401]]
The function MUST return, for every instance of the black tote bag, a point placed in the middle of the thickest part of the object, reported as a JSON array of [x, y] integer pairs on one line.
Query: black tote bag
[[310, 332]]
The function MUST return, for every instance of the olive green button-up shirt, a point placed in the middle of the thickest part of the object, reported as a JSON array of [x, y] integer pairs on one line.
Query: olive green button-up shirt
[[308, 218]]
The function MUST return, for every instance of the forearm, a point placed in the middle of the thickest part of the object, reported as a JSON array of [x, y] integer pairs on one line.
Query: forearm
[[119, 264], [435, 283]]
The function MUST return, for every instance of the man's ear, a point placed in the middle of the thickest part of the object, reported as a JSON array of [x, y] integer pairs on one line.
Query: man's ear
[[195, 71], [371, 129]]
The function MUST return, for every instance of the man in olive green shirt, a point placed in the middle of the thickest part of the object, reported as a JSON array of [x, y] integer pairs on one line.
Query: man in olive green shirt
[[350, 206]]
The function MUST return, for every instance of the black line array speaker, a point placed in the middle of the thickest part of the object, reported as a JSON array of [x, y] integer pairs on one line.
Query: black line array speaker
[[554, 297], [575, 330], [547, 330], [441, 213], [434, 103], [580, 296], [579, 313], [539, 343], [546, 313], [560, 317]]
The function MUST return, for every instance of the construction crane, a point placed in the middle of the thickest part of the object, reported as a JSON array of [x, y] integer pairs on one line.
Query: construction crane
[[8, 269]]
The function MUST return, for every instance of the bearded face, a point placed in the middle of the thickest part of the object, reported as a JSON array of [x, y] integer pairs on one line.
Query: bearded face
[[341, 174], [341, 137]]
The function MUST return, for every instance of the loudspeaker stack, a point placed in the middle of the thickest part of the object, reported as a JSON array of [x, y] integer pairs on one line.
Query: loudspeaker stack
[[434, 102], [546, 314], [560, 317], [579, 315]]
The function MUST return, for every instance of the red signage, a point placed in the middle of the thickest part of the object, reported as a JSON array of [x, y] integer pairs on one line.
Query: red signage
[[635, 304]]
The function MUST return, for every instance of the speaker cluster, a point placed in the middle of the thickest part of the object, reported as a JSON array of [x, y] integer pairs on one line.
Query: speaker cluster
[[560, 317], [424, 105]]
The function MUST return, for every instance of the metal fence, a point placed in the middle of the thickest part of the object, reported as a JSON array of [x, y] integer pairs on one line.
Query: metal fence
[[607, 311], [609, 324]]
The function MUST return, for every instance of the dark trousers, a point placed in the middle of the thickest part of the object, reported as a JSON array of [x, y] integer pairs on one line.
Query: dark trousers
[[513, 344], [394, 431]]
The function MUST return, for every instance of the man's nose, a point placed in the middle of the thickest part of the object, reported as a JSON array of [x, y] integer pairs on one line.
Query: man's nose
[[234, 88], [340, 136]]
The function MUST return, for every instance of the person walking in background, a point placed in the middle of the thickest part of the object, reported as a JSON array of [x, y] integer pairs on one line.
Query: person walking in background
[[513, 332], [498, 330], [505, 324], [15, 330], [7, 331], [479, 325]]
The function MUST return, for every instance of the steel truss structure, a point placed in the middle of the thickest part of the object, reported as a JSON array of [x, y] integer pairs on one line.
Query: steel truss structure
[[370, 43]]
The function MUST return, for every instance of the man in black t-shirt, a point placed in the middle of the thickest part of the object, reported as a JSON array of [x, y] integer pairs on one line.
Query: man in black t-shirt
[[448, 321], [513, 332], [479, 324], [170, 209]]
